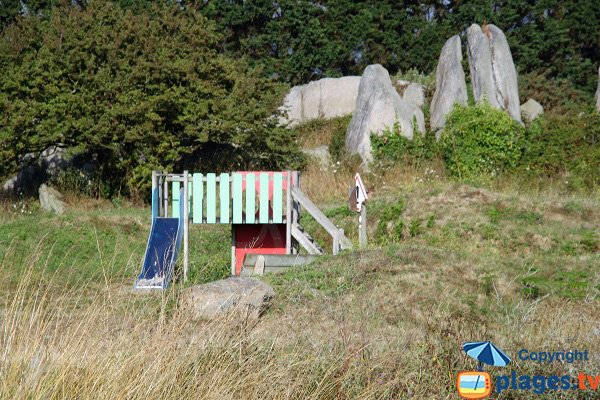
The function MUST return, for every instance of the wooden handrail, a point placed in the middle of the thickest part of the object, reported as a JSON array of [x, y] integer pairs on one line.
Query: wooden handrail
[[340, 241]]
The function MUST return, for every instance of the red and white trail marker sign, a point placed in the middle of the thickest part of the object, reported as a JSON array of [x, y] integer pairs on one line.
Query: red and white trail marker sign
[[360, 193]]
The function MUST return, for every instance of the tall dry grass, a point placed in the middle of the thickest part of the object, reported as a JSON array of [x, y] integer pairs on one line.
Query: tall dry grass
[[103, 341], [327, 185], [382, 323]]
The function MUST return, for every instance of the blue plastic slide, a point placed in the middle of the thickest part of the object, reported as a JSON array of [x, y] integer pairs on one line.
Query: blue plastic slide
[[161, 252]]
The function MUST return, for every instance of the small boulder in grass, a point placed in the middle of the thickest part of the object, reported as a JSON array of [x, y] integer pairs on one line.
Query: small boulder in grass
[[51, 200], [247, 296], [531, 110]]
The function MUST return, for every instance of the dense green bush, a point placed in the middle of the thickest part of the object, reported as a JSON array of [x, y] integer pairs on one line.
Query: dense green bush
[[565, 145], [558, 96], [392, 147], [131, 92], [480, 140]]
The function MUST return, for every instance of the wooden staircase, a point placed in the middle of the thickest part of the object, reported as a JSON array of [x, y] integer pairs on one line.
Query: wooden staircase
[[340, 241], [305, 240]]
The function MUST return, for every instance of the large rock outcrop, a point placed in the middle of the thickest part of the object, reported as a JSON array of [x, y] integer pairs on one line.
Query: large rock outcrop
[[531, 109], [379, 107], [247, 296], [325, 98], [49, 163], [493, 73], [450, 85], [598, 93]]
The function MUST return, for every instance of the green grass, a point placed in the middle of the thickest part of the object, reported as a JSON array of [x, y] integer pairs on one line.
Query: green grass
[[103, 244], [446, 263]]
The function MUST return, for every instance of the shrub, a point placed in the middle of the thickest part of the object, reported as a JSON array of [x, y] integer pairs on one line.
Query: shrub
[[391, 147], [558, 96], [132, 92], [480, 140], [565, 144]]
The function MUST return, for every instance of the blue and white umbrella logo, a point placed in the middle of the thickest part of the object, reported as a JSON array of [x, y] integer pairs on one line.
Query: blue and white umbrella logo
[[486, 353]]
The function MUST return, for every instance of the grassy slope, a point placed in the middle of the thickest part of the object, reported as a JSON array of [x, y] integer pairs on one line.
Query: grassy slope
[[517, 268]]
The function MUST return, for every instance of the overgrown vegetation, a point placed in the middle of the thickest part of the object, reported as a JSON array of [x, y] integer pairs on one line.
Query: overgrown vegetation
[[565, 146], [391, 147], [131, 92], [469, 263], [480, 141]]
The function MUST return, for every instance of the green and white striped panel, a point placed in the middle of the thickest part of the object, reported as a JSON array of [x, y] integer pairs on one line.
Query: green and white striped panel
[[197, 198], [175, 199], [263, 213], [224, 198], [277, 198], [237, 197]]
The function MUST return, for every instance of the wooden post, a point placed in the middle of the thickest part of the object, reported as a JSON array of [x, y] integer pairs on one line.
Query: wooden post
[[336, 242], [362, 226], [295, 205], [288, 214], [185, 224], [165, 195], [155, 199]]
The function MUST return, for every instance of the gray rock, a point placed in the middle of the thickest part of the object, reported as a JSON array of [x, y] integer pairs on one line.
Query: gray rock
[[54, 160], [379, 107], [531, 109], [412, 92], [50, 161], [493, 73], [244, 295], [598, 93], [415, 93], [321, 153], [325, 98], [51, 200], [450, 85]]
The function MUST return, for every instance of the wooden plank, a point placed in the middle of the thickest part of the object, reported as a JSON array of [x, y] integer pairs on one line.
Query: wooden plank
[[175, 199], [280, 260], [249, 271], [165, 198], [189, 191], [362, 227], [237, 198], [304, 241], [288, 215], [314, 211], [155, 196], [250, 198], [211, 198], [186, 215], [277, 198], [197, 198], [263, 213], [224, 198]]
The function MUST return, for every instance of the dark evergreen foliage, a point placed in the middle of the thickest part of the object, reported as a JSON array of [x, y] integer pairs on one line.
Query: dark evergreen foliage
[[132, 92]]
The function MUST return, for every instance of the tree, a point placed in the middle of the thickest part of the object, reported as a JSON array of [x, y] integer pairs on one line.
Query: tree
[[135, 92]]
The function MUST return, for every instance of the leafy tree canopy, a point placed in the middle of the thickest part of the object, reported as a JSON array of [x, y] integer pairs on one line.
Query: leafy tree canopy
[[304, 40], [134, 92]]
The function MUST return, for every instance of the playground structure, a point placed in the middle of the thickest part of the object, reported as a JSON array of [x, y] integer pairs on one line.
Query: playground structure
[[263, 209]]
